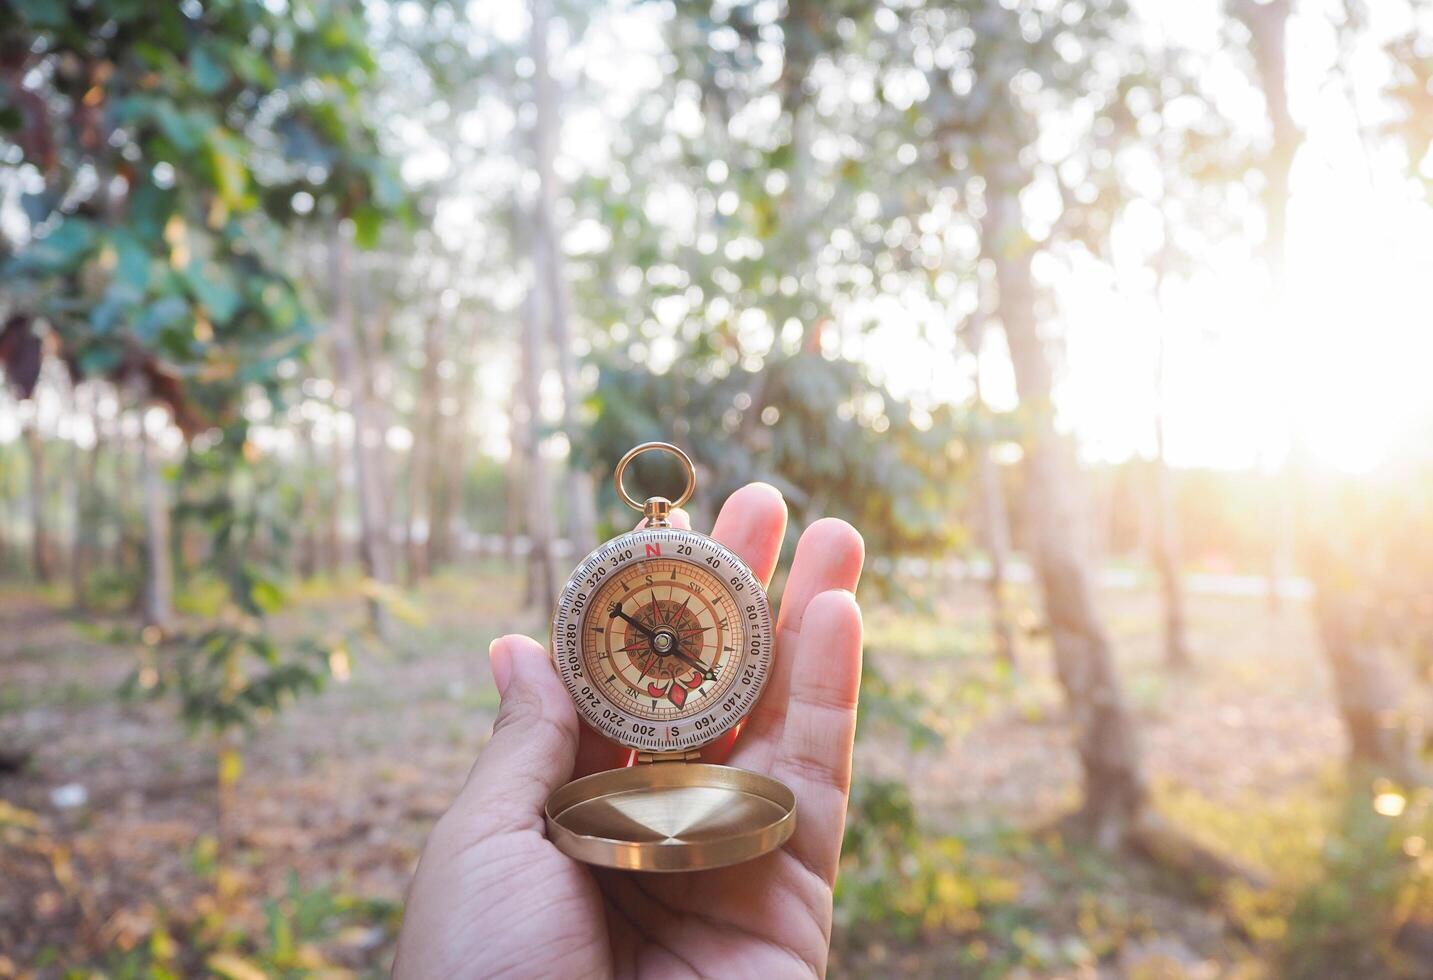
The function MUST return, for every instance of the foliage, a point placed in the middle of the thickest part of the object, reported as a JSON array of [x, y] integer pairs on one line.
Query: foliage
[[991, 902], [1369, 909], [301, 929], [1361, 537], [164, 150], [747, 250], [1412, 95], [899, 877], [815, 428]]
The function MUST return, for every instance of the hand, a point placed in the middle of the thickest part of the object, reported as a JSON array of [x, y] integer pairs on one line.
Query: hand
[[493, 897]]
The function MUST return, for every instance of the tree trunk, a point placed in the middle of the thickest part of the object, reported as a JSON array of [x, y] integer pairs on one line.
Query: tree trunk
[[1267, 23], [516, 472], [446, 474], [333, 530], [547, 263], [1171, 580], [6, 496], [373, 539], [1367, 689], [1114, 787], [376, 372], [127, 475], [39, 524], [157, 604], [541, 578], [84, 471], [1365, 686], [426, 449], [1166, 538], [306, 541], [994, 520]]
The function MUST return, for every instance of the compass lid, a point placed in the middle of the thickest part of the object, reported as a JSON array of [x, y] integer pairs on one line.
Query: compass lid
[[670, 816]]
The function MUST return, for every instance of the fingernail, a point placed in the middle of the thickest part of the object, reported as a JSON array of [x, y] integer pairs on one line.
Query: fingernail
[[500, 659]]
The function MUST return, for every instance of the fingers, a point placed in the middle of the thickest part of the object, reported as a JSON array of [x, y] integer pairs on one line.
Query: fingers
[[828, 556], [533, 745], [813, 756], [752, 525], [679, 518]]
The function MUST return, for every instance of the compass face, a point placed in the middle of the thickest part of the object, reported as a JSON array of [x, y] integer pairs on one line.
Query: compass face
[[663, 638]]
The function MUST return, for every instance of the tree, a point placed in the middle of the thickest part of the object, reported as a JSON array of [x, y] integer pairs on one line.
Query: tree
[[373, 544], [994, 520], [1114, 792], [1017, 64], [41, 550], [742, 279], [1338, 541], [1181, 209], [22, 353], [157, 602], [548, 268], [1006, 70], [166, 149], [1166, 534], [1266, 23], [1356, 538], [424, 462], [89, 498], [542, 581], [490, 110]]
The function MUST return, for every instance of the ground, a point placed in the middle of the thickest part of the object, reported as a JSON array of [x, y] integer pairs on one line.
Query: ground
[[112, 852]]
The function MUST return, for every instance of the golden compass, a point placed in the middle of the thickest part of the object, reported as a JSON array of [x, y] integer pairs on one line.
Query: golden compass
[[664, 640]]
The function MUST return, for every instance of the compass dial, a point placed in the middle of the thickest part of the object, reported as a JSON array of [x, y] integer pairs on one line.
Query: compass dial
[[663, 638]]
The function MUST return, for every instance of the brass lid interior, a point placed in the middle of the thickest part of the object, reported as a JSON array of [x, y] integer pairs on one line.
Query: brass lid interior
[[670, 816]]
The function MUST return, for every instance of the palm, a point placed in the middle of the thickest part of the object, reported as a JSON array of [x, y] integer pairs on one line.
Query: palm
[[493, 895], [768, 918]]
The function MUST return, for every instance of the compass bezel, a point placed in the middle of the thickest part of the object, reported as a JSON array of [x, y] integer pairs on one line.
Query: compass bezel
[[628, 553]]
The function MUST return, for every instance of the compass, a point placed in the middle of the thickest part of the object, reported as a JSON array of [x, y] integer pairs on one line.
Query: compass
[[664, 641]]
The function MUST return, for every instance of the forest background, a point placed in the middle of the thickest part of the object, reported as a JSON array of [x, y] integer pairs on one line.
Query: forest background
[[1104, 322]]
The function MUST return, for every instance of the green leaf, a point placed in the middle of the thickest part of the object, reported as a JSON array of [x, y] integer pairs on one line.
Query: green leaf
[[267, 595], [132, 260], [184, 129], [213, 287], [125, 11], [38, 206], [63, 248], [387, 188], [250, 66], [43, 13], [159, 316], [367, 223], [231, 176], [208, 71], [110, 311], [99, 359], [149, 210]]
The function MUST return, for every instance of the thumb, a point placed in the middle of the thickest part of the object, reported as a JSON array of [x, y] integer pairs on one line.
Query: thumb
[[534, 740]]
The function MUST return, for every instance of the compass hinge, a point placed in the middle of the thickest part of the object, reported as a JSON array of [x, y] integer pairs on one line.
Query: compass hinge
[[690, 755]]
